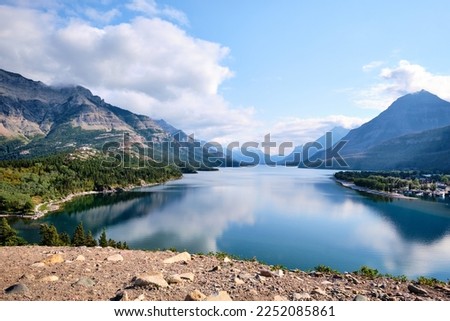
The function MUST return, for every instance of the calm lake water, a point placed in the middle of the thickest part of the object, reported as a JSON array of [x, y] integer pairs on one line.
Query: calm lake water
[[299, 218]]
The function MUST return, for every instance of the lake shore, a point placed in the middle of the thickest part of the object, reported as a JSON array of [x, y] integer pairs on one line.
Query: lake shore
[[42, 209], [352, 186]]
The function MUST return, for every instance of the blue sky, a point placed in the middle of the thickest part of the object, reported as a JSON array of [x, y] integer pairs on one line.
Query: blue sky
[[235, 70]]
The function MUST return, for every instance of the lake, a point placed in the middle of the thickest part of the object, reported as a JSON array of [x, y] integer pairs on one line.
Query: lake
[[298, 218]]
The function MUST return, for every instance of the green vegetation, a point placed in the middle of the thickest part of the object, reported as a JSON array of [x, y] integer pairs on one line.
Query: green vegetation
[[368, 272], [429, 281], [390, 181], [27, 182], [325, 269], [51, 237], [8, 235]]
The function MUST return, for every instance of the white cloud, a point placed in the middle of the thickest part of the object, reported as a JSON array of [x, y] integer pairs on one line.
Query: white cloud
[[104, 17], [147, 65], [303, 130], [372, 65], [152, 9], [402, 79]]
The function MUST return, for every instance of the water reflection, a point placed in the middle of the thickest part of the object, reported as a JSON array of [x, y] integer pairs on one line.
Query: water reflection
[[295, 217]]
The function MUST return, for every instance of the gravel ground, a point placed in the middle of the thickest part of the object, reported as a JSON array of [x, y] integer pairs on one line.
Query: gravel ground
[[67, 273]]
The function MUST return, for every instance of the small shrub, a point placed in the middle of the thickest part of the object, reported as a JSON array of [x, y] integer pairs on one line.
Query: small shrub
[[368, 272]]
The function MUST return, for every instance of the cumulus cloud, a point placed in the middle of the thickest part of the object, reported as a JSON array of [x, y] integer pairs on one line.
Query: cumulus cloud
[[372, 65], [147, 65], [402, 79]]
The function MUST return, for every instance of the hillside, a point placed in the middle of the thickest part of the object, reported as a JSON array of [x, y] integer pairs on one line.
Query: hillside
[[69, 273]]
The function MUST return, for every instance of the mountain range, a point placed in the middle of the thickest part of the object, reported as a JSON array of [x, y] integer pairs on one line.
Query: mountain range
[[37, 119], [409, 134]]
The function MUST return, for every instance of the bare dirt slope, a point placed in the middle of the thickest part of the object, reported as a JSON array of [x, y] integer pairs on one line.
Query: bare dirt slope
[[67, 273]]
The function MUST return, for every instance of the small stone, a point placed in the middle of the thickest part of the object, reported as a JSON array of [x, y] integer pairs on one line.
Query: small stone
[[266, 273], [304, 296], [153, 278], [29, 277], [182, 257], [140, 298], [279, 273], [85, 281], [38, 265], [238, 281], [360, 297], [215, 269], [416, 290], [50, 278], [226, 259], [221, 296], [115, 258], [195, 295], [280, 298], [318, 291], [245, 276], [54, 259], [18, 288], [326, 283], [120, 296], [352, 278], [188, 276], [261, 278], [174, 279], [80, 258]]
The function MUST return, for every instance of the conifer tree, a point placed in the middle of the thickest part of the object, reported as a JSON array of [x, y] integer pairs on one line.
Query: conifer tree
[[103, 241], [8, 235], [90, 240], [65, 239], [49, 235], [79, 237]]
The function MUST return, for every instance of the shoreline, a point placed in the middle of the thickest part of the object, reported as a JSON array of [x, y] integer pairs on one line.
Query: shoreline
[[54, 205], [354, 187]]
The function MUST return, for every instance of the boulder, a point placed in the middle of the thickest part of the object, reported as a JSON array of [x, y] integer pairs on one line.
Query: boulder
[[115, 258], [195, 295], [182, 257], [149, 279]]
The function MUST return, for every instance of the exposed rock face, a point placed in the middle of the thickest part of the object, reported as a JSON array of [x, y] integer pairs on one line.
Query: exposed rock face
[[144, 275]]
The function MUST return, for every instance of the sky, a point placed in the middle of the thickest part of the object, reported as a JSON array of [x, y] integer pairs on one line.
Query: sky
[[229, 70]]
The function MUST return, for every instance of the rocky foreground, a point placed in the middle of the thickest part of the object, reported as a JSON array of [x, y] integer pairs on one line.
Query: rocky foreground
[[67, 273]]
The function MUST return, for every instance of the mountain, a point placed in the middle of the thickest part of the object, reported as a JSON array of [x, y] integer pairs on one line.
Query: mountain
[[415, 113], [36, 119], [296, 156], [412, 113], [427, 150]]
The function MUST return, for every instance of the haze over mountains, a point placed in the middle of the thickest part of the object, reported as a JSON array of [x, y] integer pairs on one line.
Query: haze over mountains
[[36, 119], [410, 134]]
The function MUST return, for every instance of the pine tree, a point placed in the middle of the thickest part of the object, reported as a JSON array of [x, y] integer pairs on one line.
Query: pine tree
[[112, 243], [90, 240], [49, 235], [8, 235], [79, 238], [65, 239], [103, 241]]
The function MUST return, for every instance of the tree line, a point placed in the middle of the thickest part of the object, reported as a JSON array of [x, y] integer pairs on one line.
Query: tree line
[[51, 237], [25, 183]]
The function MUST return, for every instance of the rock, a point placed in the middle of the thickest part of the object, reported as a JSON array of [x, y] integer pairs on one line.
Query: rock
[[50, 278], [352, 278], [260, 278], [279, 273], [85, 281], [188, 276], [245, 276], [238, 281], [304, 296], [54, 259], [120, 296], [360, 297], [38, 265], [174, 279], [416, 289], [319, 291], [226, 259], [182, 257], [115, 258], [17, 288], [326, 283], [195, 295], [215, 269], [266, 273], [280, 298], [29, 277], [80, 258], [221, 296], [153, 278], [141, 297]]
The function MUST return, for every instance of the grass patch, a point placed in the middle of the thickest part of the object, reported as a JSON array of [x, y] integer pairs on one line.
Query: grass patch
[[422, 280], [368, 272], [325, 269]]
